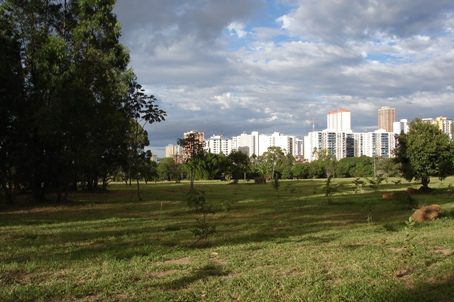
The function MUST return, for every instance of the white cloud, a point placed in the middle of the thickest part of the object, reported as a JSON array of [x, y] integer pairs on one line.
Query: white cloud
[[237, 29], [355, 54]]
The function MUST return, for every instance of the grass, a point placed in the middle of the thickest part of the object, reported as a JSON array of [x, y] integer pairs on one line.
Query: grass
[[287, 246]]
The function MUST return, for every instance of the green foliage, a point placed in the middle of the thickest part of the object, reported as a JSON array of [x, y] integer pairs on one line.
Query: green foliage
[[329, 189], [195, 155], [72, 112], [168, 169], [424, 152], [301, 171], [375, 182], [355, 167], [388, 167], [358, 184], [274, 161], [197, 201], [238, 163]]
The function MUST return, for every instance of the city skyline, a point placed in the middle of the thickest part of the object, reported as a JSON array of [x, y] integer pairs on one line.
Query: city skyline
[[233, 66], [338, 138], [399, 123]]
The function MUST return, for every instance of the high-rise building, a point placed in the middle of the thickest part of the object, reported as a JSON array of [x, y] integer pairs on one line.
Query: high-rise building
[[347, 144], [246, 143], [217, 144], [375, 144], [339, 144], [339, 120], [386, 118], [400, 126], [258, 144], [172, 151]]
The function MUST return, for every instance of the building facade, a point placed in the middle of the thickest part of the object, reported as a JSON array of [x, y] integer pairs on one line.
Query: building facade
[[339, 120], [400, 126], [347, 144], [172, 151], [386, 118], [218, 144], [338, 144]]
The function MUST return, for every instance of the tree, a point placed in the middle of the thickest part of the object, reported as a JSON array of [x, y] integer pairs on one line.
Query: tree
[[71, 100], [272, 162], [11, 102], [238, 164], [214, 166], [328, 162], [424, 152], [193, 148], [168, 169], [355, 167]]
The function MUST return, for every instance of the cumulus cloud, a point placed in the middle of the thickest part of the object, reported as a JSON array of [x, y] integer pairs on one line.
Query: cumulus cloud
[[340, 21], [225, 66]]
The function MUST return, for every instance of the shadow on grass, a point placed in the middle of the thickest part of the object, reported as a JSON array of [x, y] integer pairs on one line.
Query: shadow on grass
[[212, 269], [431, 291]]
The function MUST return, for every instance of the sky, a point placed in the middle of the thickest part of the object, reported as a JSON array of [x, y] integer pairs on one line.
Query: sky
[[232, 66]]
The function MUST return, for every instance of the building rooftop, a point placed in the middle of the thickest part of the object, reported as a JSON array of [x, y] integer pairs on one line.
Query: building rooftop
[[338, 111]]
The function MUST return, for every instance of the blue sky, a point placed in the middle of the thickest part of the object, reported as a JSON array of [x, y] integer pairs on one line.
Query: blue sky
[[224, 67]]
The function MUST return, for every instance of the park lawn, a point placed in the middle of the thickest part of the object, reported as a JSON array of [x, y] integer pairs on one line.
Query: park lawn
[[286, 245]]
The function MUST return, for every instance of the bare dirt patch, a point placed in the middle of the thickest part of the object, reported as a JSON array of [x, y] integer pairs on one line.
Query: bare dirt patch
[[444, 251], [164, 273], [181, 261]]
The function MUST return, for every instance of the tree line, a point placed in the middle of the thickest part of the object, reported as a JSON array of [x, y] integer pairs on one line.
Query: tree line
[[424, 152], [71, 110], [274, 163]]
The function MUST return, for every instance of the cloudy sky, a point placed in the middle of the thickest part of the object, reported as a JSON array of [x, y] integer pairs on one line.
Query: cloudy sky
[[228, 66]]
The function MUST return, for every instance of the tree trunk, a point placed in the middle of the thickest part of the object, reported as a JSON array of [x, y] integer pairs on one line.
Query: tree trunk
[[425, 180], [191, 179], [139, 198]]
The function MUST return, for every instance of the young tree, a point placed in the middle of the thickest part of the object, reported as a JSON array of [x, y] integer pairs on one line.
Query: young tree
[[424, 152], [193, 148]]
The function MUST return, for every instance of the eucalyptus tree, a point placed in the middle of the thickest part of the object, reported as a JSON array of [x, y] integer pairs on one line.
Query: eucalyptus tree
[[74, 99]]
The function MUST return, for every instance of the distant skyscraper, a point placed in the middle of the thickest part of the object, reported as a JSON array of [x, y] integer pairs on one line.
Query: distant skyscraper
[[339, 120], [386, 118]]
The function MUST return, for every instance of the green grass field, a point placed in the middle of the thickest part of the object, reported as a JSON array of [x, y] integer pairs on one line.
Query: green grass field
[[291, 245]]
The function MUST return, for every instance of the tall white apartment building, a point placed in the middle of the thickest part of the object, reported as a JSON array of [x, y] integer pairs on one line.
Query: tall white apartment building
[[339, 120], [400, 126], [258, 144], [339, 144], [217, 144], [379, 143], [247, 143], [298, 147], [347, 144]]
